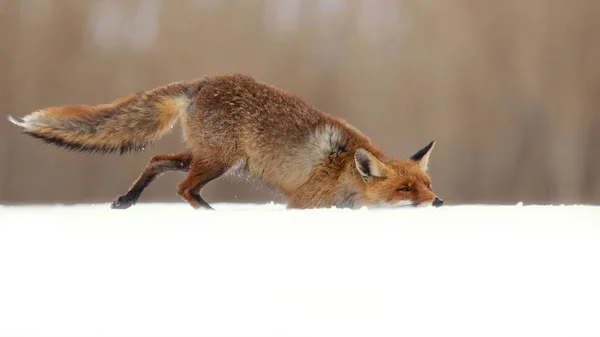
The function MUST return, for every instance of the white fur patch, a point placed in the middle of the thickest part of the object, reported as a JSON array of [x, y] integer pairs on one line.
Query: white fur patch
[[29, 121], [14, 121], [403, 203], [236, 168], [327, 139]]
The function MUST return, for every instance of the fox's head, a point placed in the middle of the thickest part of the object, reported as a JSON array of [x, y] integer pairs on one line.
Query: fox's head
[[396, 182]]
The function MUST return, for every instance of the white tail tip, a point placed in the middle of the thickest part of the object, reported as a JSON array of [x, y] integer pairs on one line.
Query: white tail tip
[[16, 122]]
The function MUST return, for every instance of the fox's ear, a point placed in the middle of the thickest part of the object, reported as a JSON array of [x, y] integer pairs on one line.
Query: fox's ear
[[422, 157], [368, 165]]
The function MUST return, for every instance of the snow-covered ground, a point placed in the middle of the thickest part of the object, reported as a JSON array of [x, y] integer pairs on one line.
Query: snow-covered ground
[[248, 270]]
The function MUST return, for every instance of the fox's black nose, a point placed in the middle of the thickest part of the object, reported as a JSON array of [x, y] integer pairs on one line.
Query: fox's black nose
[[438, 202]]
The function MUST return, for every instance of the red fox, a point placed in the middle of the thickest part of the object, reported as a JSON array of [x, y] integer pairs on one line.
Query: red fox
[[234, 123]]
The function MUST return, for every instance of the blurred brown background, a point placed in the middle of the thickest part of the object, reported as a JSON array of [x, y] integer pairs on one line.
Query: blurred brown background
[[510, 89]]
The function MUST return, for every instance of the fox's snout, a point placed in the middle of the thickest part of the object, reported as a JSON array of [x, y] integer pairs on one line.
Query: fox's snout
[[438, 202]]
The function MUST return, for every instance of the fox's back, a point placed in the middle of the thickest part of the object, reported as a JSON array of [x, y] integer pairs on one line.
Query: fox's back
[[255, 110]]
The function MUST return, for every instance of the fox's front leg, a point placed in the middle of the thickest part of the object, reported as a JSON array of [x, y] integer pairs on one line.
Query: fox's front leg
[[157, 166]]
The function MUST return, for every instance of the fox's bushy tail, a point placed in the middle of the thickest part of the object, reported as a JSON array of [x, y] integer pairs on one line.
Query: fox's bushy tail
[[127, 124]]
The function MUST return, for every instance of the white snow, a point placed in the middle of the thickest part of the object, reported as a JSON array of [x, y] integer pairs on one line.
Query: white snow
[[248, 270]]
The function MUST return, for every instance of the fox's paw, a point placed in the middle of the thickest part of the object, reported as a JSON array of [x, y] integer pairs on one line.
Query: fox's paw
[[123, 202]]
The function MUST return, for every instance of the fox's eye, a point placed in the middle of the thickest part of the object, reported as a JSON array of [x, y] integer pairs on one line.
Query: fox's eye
[[404, 189]]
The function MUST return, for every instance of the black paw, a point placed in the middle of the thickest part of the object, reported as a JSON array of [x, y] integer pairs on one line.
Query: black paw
[[123, 202]]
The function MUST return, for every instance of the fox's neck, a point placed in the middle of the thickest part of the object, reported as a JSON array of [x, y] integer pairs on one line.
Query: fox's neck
[[342, 189], [349, 189]]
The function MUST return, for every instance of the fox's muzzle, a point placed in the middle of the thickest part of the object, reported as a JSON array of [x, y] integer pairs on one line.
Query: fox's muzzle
[[438, 202]]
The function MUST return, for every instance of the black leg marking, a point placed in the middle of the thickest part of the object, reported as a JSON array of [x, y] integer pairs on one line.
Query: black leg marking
[[157, 166]]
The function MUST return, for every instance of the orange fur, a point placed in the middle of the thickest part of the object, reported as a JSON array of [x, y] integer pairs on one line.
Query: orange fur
[[234, 122]]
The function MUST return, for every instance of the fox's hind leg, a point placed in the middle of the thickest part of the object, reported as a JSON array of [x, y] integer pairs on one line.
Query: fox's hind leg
[[199, 174], [157, 166]]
